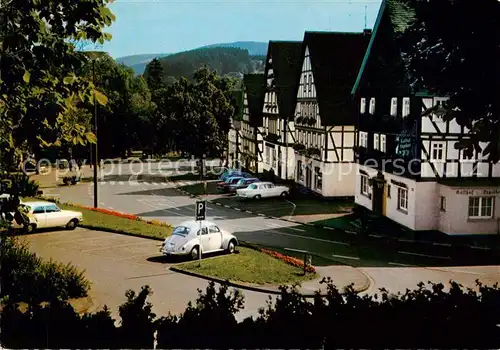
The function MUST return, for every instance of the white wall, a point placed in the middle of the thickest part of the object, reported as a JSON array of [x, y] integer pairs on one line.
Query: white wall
[[455, 218], [339, 179]]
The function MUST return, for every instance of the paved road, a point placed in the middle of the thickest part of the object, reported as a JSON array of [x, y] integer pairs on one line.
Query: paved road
[[115, 263]]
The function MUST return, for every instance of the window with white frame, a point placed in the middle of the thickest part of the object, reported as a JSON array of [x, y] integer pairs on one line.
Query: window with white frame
[[365, 186], [310, 82], [437, 151], [363, 139], [362, 106], [383, 144], [300, 171], [406, 106], [403, 199], [480, 207], [394, 106], [376, 140], [372, 106], [318, 178]]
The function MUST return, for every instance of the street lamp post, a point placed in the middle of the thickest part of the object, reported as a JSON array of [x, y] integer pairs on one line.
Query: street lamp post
[[96, 202]]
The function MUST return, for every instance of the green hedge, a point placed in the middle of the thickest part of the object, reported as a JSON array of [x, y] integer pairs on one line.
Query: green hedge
[[426, 317], [27, 278], [19, 184]]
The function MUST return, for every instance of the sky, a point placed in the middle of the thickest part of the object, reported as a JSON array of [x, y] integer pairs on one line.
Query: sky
[[169, 26]]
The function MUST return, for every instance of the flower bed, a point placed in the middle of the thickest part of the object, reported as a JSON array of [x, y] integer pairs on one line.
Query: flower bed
[[111, 212], [288, 259]]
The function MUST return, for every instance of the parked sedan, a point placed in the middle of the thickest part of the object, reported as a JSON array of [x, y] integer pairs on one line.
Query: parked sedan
[[242, 183], [263, 190], [185, 240], [48, 215], [222, 185], [234, 173]]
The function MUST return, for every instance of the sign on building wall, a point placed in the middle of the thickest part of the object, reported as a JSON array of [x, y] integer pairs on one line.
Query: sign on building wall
[[481, 192], [406, 146]]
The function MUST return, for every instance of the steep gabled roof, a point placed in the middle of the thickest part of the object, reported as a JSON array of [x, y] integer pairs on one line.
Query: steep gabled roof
[[237, 97], [254, 86], [397, 16], [286, 64], [335, 62]]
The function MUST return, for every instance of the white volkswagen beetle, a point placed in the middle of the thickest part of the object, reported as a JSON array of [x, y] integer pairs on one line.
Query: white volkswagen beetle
[[185, 239], [47, 215]]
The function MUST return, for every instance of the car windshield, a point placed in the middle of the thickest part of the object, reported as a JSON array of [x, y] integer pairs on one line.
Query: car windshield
[[180, 231], [241, 182], [253, 187]]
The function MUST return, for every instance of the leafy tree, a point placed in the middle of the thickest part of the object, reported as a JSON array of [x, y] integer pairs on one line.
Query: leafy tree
[[38, 86], [154, 75], [198, 114], [452, 48]]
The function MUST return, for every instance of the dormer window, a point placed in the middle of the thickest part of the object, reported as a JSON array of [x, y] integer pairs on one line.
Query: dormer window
[[372, 106], [305, 83], [394, 106], [310, 82], [362, 106], [406, 107]]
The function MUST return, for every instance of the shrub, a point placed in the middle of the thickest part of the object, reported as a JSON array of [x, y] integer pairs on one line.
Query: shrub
[[27, 278]]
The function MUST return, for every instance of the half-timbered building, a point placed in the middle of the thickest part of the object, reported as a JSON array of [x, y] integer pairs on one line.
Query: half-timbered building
[[234, 134], [251, 155], [324, 115], [283, 64], [410, 169]]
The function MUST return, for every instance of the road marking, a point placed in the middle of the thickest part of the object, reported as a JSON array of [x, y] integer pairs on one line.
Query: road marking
[[238, 209], [375, 236], [399, 264], [458, 271], [425, 255], [248, 212], [407, 240], [208, 208], [259, 214], [345, 257], [296, 229], [442, 244]]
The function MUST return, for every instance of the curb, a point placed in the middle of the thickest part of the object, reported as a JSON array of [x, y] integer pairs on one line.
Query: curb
[[256, 289], [386, 238]]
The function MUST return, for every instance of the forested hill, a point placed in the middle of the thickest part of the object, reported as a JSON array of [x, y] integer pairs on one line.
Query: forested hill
[[227, 61]]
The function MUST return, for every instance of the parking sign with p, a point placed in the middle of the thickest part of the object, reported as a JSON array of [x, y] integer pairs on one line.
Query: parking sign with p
[[200, 210]]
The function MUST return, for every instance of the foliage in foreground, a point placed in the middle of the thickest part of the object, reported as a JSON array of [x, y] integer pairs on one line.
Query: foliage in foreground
[[424, 317], [25, 277]]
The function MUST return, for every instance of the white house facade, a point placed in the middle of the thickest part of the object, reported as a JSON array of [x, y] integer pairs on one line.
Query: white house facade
[[278, 108], [410, 168], [324, 121]]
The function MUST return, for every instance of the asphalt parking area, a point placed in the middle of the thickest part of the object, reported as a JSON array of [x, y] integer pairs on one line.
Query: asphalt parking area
[[115, 263]]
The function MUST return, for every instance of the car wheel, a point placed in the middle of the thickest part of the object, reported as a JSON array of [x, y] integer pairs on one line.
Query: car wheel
[[231, 247], [257, 196], [71, 225], [284, 194], [30, 228], [194, 253]]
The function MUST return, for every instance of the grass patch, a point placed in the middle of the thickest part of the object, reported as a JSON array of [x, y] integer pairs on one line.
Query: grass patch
[[279, 207], [102, 221], [98, 221], [249, 266], [199, 189]]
